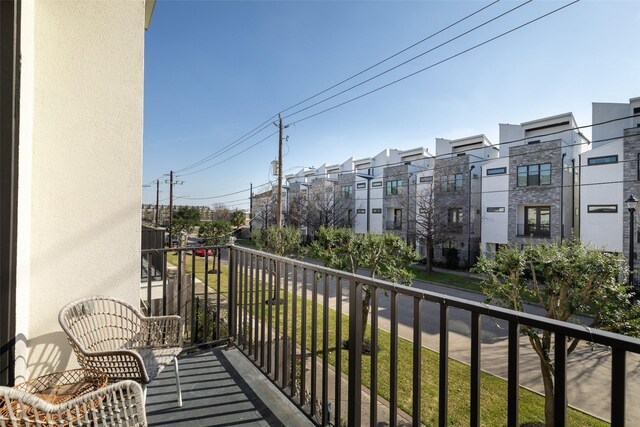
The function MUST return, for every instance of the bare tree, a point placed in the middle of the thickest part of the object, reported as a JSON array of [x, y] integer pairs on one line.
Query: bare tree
[[220, 212], [325, 206], [264, 209], [432, 226]]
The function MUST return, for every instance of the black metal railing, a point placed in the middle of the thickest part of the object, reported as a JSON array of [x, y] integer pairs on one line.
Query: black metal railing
[[278, 314], [200, 298], [534, 230]]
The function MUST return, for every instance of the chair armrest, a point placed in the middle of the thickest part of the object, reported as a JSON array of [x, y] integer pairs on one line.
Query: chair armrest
[[119, 403], [161, 331], [117, 364]]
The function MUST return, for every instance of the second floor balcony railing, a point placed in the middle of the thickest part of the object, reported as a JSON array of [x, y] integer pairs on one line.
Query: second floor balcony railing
[[291, 319], [393, 225], [534, 230]]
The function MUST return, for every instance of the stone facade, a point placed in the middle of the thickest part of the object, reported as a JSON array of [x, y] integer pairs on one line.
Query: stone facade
[[464, 237], [346, 205], [404, 199], [631, 186], [536, 195]]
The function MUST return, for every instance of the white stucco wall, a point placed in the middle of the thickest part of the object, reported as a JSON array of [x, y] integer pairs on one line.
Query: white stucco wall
[[495, 193], [80, 165], [602, 230], [607, 112]]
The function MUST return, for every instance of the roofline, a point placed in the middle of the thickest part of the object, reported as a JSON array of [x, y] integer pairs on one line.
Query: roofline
[[544, 119]]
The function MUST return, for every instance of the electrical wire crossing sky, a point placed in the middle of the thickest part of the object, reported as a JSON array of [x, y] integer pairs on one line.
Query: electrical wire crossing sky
[[354, 78]]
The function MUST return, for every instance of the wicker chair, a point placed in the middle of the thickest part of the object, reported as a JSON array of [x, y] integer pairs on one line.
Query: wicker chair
[[117, 404], [112, 336]]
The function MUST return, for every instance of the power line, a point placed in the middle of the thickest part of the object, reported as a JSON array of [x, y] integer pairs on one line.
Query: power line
[[262, 126], [230, 157], [411, 59], [390, 57], [255, 131], [435, 64]]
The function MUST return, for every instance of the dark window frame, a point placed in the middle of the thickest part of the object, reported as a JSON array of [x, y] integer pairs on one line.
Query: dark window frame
[[393, 188], [495, 209], [361, 211], [376, 184], [346, 191], [426, 178], [376, 211], [361, 185], [455, 216], [497, 171], [532, 175], [602, 160], [602, 208]]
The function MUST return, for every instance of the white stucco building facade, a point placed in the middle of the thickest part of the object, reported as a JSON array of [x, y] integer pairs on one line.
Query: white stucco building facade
[[80, 167]]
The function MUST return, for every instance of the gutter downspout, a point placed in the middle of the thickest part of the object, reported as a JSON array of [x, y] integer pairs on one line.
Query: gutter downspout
[[562, 197], [469, 221]]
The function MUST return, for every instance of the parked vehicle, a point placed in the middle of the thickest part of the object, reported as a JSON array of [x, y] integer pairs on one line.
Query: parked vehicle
[[201, 252]]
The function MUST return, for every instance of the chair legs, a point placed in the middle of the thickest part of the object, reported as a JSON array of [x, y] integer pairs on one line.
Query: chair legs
[[175, 364]]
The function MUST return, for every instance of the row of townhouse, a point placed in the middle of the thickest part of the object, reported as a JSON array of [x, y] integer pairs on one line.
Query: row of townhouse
[[543, 181]]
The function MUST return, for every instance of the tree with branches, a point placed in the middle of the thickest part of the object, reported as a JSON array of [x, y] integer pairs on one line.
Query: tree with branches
[[565, 279], [386, 256]]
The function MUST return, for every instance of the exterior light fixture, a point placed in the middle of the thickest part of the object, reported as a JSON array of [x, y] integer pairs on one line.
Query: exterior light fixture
[[631, 203]]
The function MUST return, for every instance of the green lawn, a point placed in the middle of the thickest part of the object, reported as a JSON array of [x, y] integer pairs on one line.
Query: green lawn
[[172, 258], [493, 389], [246, 242], [449, 279]]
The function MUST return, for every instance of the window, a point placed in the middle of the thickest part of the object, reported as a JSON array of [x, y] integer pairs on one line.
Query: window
[[602, 208], [394, 188], [535, 141], [531, 175], [347, 190], [496, 171], [461, 154], [376, 184], [426, 179], [361, 185], [376, 210], [454, 216], [603, 160], [397, 218], [495, 209], [361, 211], [451, 182], [537, 222]]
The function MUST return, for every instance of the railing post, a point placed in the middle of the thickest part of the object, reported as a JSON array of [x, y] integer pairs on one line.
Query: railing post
[[560, 386], [355, 352], [513, 377], [231, 301], [618, 380]]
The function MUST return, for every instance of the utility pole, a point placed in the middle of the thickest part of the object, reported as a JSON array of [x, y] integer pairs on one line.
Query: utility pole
[[171, 183], [250, 208], [170, 207], [157, 200], [279, 201]]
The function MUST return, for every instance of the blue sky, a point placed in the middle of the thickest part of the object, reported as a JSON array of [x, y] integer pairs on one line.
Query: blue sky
[[215, 70]]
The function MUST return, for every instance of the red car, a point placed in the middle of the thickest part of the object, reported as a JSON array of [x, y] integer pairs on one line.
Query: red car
[[201, 252]]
